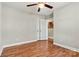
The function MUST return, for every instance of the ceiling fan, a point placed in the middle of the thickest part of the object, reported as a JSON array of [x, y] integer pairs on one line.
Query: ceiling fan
[[40, 5]]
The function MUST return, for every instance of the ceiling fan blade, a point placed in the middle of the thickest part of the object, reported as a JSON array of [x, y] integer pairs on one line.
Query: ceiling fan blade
[[31, 5], [38, 9], [48, 6]]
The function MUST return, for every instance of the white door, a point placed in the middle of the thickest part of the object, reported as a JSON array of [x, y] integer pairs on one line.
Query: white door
[[43, 29]]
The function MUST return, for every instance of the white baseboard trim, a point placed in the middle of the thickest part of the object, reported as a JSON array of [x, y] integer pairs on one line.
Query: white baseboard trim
[[67, 47], [1, 51], [14, 44]]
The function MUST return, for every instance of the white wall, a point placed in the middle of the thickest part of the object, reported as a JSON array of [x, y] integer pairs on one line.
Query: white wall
[[66, 29], [17, 26], [0, 27]]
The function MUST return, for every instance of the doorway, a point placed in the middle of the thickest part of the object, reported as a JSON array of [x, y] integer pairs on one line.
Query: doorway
[[50, 30]]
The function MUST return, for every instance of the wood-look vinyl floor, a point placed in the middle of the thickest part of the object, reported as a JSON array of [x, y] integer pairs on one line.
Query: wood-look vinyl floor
[[40, 48]]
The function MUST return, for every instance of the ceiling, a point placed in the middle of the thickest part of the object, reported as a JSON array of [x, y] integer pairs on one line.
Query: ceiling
[[33, 9]]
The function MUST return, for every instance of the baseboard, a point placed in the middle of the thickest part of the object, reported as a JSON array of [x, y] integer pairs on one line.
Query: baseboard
[[67, 47], [1, 51], [18, 43]]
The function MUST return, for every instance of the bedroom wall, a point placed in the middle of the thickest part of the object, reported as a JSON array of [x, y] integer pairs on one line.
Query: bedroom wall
[[66, 29], [0, 28], [17, 26]]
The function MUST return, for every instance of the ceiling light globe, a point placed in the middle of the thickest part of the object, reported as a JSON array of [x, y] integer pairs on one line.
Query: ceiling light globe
[[41, 5]]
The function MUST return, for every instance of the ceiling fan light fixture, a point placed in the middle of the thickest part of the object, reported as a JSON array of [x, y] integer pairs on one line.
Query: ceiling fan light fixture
[[41, 5]]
